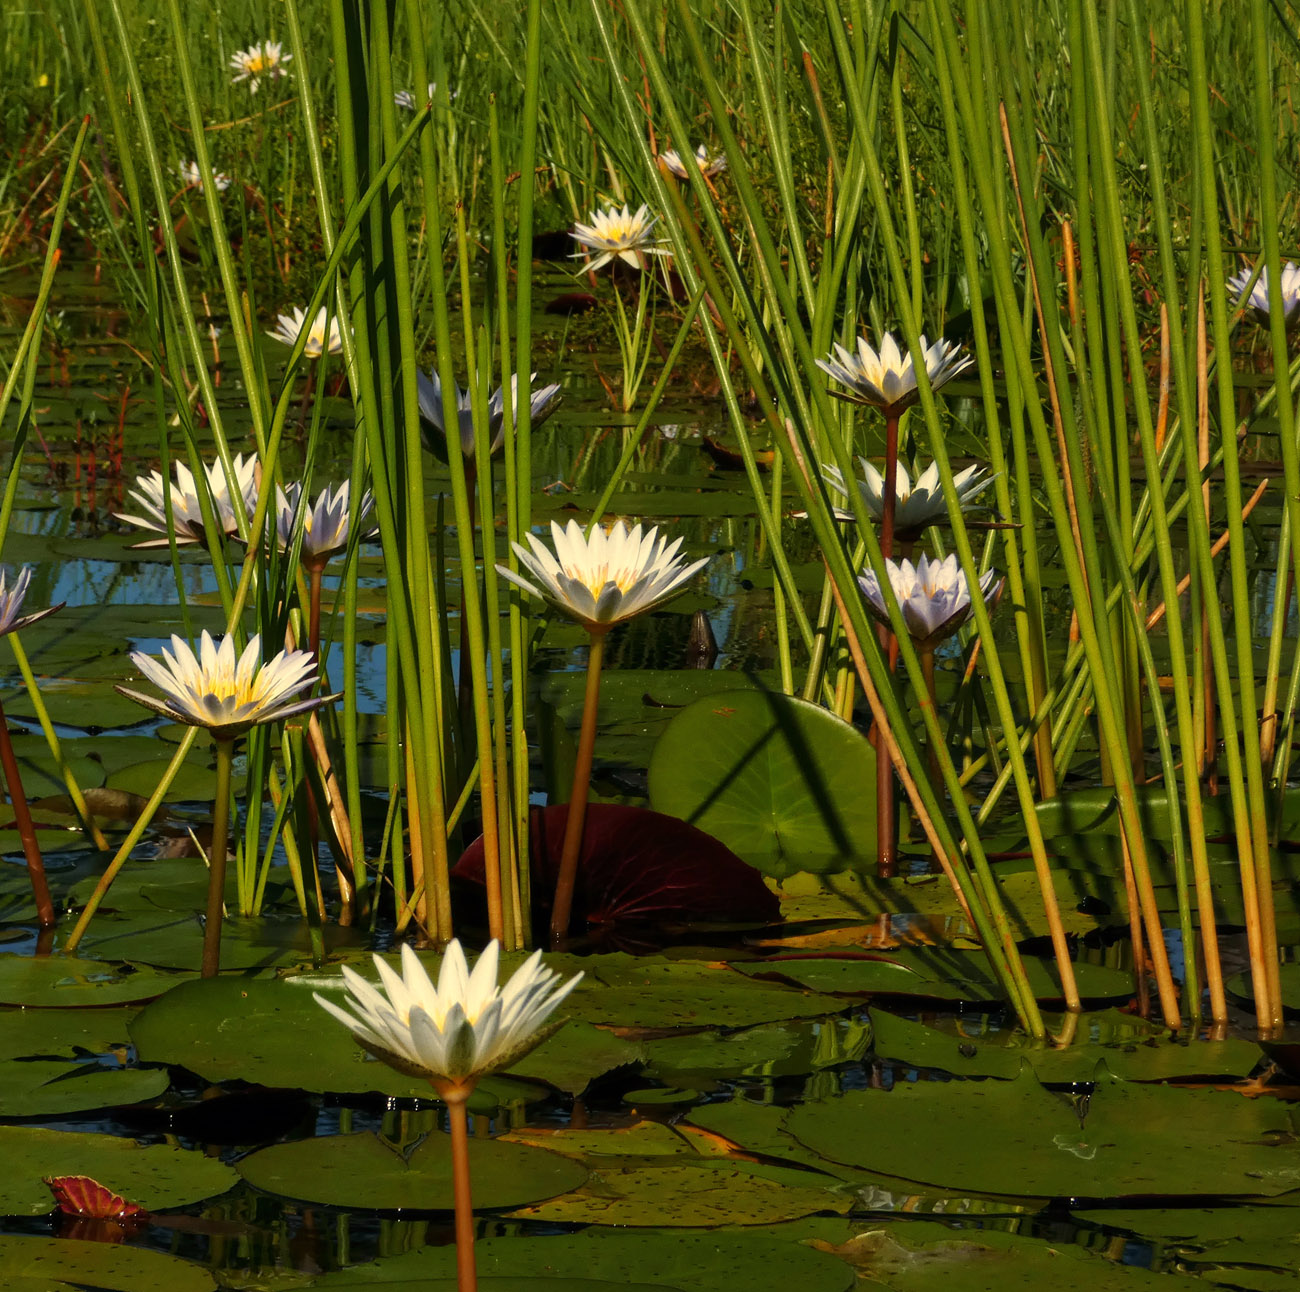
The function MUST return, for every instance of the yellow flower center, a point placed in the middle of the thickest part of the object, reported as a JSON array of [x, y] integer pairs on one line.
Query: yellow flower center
[[597, 578]]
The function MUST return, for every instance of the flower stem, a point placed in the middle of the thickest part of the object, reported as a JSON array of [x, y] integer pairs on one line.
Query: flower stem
[[886, 814], [314, 572], [217, 859], [455, 1095], [23, 818], [565, 882]]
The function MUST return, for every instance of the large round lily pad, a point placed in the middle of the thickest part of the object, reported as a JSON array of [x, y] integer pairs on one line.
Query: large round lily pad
[[652, 992], [108, 1266], [937, 973], [716, 1261], [1017, 1137], [366, 1171], [359, 1280], [783, 783], [1130, 1047], [52, 1088], [64, 981], [156, 1176], [921, 1255], [272, 1032], [705, 1192]]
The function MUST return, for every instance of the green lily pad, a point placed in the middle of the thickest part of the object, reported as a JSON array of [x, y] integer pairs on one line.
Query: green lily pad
[[937, 973], [716, 1261], [1288, 979], [63, 1033], [272, 1032], [783, 783], [364, 1170], [1203, 1228], [703, 1193], [1130, 1047], [1016, 1137], [64, 981], [519, 1283], [50, 1088], [652, 992], [920, 1255], [169, 940], [769, 1050], [108, 1266], [576, 1055], [156, 1176]]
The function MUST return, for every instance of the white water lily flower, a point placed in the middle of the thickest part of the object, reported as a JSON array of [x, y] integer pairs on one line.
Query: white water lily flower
[[604, 579], [405, 99], [916, 505], [542, 403], [186, 512], [887, 380], [319, 341], [460, 1030], [263, 61], [618, 235], [190, 174], [225, 693], [933, 595], [709, 165], [1260, 297], [11, 602], [325, 525]]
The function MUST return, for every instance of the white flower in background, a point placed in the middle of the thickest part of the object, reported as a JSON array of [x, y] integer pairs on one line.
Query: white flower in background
[[264, 61], [619, 235], [223, 692], [542, 404], [460, 1030], [887, 380], [190, 174], [187, 515], [11, 603], [917, 505], [1259, 300], [319, 340], [933, 595], [405, 99], [604, 579], [709, 165], [326, 525]]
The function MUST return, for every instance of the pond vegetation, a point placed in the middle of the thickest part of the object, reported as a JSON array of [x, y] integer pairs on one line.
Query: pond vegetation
[[790, 511]]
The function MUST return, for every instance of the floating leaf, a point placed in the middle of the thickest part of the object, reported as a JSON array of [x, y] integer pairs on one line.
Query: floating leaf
[[638, 866], [1015, 1137], [704, 1193], [937, 973], [1130, 1047], [79, 1195], [64, 981], [651, 992], [155, 1176], [54, 1088], [576, 1055], [920, 1255], [780, 781], [96, 1266], [366, 1171], [717, 1261], [272, 1032]]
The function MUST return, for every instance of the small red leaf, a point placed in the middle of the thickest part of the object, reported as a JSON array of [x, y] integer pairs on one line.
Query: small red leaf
[[638, 866], [79, 1195]]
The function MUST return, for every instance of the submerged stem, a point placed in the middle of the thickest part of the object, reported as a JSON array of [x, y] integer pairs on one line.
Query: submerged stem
[[23, 819], [565, 882], [217, 859]]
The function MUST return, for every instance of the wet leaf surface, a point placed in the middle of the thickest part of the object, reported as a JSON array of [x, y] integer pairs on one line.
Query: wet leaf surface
[[778, 780], [112, 1268], [156, 1176], [365, 1170], [1015, 1137]]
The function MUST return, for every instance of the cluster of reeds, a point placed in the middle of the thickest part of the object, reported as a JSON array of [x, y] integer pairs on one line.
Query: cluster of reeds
[[1113, 445]]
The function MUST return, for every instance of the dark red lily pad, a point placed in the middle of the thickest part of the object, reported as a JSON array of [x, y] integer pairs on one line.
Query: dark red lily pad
[[639, 867]]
